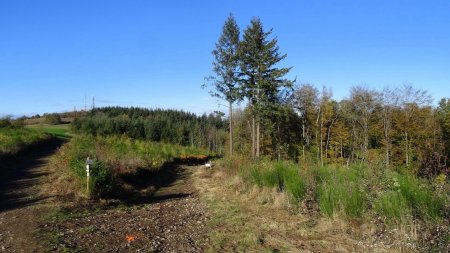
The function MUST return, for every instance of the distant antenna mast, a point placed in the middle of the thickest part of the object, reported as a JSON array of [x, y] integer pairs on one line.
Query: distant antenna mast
[[93, 103], [85, 103]]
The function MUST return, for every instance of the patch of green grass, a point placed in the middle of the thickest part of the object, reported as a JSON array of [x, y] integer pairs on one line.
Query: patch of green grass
[[293, 182], [339, 190], [231, 229], [51, 242], [60, 130], [264, 175], [217, 241], [60, 215], [352, 191], [420, 197], [393, 206], [282, 175], [236, 227]]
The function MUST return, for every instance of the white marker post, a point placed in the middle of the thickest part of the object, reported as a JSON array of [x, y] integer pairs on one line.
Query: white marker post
[[88, 172]]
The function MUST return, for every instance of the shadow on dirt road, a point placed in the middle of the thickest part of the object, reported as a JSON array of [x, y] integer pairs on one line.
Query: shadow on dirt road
[[144, 184], [20, 175]]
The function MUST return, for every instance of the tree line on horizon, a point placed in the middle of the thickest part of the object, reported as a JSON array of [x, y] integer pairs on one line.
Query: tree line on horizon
[[283, 120], [160, 125]]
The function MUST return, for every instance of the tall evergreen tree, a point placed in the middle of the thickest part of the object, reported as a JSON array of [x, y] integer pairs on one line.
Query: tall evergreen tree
[[262, 80], [226, 69]]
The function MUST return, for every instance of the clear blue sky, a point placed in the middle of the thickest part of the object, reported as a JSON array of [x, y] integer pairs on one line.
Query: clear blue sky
[[157, 53]]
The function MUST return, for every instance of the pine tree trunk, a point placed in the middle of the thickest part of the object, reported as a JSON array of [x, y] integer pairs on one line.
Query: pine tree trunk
[[253, 135], [257, 138], [278, 145], [231, 127]]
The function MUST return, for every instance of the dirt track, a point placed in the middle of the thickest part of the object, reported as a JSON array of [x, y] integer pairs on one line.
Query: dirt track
[[21, 204]]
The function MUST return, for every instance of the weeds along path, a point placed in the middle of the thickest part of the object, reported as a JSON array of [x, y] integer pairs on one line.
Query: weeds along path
[[21, 203], [172, 220]]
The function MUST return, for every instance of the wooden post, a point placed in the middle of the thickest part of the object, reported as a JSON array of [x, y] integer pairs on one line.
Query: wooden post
[[87, 177], [88, 174]]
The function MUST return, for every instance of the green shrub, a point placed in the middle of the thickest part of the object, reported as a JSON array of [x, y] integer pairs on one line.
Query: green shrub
[[102, 179], [5, 122]]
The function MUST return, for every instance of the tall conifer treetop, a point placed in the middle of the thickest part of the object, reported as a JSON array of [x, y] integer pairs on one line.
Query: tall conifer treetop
[[259, 58], [226, 62]]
